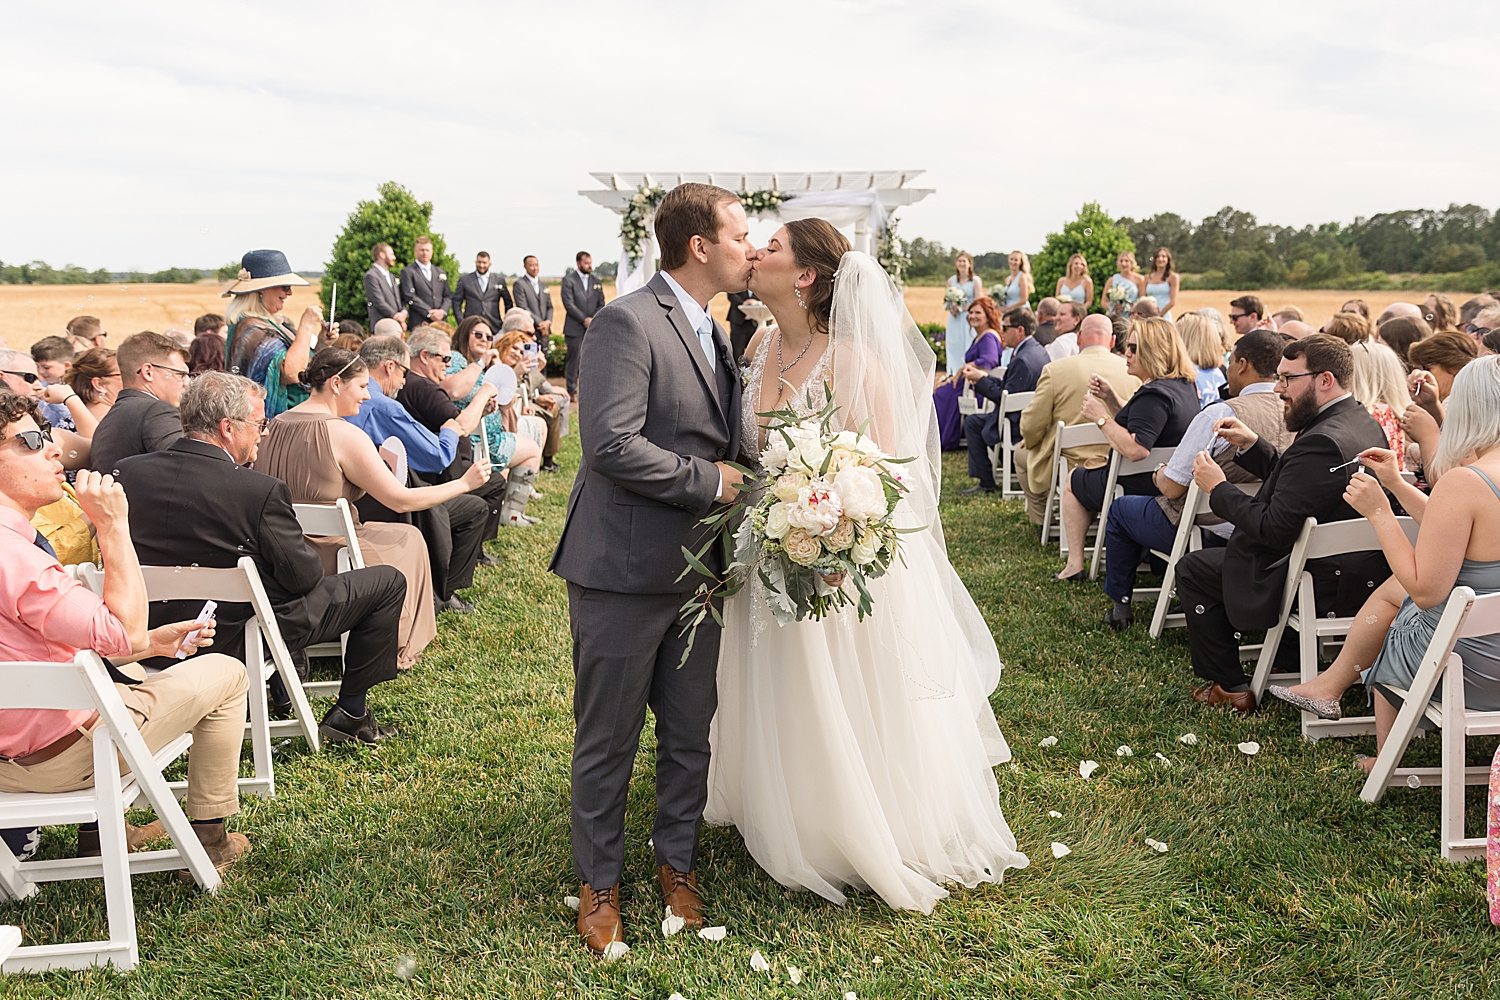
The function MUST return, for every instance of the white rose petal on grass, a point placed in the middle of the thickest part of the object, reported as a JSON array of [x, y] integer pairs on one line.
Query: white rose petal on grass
[[672, 923], [850, 996], [1250, 749], [794, 974], [571, 902], [1164, 759], [758, 963], [1158, 845], [1060, 850], [713, 933], [1054, 814], [614, 951], [877, 960], [676, 996], [1087, 767], [1124, 752], [1188, 738], [1047, 741]]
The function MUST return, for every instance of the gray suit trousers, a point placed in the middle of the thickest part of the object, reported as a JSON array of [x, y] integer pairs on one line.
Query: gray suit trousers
[[625, 660]]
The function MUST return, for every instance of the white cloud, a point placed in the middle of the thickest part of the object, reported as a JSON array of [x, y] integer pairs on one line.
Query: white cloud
[[184, 134]]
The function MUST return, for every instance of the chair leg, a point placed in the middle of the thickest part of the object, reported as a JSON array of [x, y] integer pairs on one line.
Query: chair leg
[[1451, 827], [114, 852], [260, 715]]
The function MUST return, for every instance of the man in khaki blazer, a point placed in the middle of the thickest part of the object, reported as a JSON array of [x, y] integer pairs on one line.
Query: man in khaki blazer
[[1059, 396]]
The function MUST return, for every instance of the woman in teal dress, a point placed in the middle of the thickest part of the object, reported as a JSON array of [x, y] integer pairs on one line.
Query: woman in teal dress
[[471, 356], [1161, 283], [1018, 283], [960, 335], [1128, 281], [262, 345]]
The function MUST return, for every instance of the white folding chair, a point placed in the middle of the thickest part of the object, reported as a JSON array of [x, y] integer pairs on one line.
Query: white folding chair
[[1119, 467], [83, 683], [331, 521], [483, 455], [1002, 455], [1189, 538], [10, 940], [1465, 617], [1316, 541], [393, 453], [1075, 436]]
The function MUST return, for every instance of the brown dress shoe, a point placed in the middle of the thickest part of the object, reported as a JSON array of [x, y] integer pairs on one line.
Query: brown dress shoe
[[1200, 694], [1242, 702], [599, 917], [680, 892]]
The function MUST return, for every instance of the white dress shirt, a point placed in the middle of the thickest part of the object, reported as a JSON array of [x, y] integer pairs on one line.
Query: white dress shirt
[[1064, 346], [386, 275]]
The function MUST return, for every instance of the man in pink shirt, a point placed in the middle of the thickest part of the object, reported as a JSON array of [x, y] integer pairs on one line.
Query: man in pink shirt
[[47, 616]]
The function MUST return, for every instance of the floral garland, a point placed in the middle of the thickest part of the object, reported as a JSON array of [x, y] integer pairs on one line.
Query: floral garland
[[890, 252], [634, 227], [764, 202]]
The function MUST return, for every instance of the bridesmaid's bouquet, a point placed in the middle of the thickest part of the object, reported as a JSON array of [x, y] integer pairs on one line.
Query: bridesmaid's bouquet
[[953, 297], [824, 507]]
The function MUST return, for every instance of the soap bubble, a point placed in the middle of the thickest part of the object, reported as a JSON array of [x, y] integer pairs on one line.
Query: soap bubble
[[1429, 317], [1088, 232]]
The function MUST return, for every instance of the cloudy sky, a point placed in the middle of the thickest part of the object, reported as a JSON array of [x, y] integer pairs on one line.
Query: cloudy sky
[[175, 133]]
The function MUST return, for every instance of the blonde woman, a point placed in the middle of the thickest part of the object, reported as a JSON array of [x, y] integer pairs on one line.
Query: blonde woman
[[1077, 285], [960, 335], [1018, 284], [1161, 283], [1380, 384], [1216, 319], [1130, 283], [1155, 417], [1206, 351]]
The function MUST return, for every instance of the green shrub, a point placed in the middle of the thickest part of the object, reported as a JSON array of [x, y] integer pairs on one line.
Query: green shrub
[[557, 355], [1095, 235], [937, 336], [398, 219]]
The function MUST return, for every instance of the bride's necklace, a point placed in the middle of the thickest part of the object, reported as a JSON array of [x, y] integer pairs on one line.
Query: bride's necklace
[[783, 369]]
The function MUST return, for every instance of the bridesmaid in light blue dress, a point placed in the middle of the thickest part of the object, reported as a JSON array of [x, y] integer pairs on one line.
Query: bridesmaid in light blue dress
[[1125, 277], [1018, 284], [1077, 285], [960, 335], [1161, 283]]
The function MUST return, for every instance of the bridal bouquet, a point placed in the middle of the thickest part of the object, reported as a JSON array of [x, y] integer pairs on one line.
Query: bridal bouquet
[[825, 508]]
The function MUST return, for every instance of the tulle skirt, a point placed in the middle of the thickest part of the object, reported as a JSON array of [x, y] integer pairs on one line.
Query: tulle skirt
[[861, 754]]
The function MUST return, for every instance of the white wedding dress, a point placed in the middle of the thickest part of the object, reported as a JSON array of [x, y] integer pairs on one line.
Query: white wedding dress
[[854, 753]]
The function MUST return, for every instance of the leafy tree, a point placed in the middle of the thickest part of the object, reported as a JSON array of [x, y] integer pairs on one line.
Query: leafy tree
[[1095, 235], [398, 219], [1165, 229], [928, 259]]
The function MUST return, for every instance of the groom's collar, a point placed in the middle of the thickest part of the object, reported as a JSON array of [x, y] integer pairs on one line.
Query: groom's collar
[[690, 306]]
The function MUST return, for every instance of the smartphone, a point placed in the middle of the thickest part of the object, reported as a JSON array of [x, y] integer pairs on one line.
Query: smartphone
[[203, 618], [529, 348]]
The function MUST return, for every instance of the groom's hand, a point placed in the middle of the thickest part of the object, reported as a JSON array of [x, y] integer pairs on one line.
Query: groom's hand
[[729, 477]]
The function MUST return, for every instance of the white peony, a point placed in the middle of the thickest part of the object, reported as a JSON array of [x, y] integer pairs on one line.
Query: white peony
[[817, 510], [866, 547], [862, 494], [788, 485], [777, 524], [776, 453], [807, 446]]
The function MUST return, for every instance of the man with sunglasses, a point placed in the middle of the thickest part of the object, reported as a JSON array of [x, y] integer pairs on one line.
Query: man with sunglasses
[[153, 373], [982, 430]]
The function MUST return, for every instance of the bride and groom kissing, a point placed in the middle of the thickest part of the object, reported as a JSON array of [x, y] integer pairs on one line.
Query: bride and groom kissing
[[848, 753]]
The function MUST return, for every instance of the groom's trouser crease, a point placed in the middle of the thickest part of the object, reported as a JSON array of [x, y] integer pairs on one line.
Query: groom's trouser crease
[[624, 660]]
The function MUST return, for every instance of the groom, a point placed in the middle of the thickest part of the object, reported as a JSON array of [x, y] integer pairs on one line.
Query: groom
[[659, 403]]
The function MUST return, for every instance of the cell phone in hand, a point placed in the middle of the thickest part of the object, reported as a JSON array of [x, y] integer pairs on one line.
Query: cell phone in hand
[[529, 348], [204, 617]]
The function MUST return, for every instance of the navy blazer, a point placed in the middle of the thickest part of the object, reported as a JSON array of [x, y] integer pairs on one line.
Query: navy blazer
[[1021, 375]]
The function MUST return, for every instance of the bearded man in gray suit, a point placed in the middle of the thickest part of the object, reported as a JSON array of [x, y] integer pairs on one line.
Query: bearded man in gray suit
[[582, 297], [657, 423]]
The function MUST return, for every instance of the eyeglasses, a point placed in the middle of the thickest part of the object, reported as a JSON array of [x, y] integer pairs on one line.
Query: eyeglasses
[[482, 336], [1235, 316], [30, 378], [1130, 348], [1285, 380], [259, 425], [34, 440], [1475, 330], [181, 373], [444, 358]]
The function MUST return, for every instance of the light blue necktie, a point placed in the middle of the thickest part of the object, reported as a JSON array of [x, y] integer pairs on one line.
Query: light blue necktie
[[706, 339]]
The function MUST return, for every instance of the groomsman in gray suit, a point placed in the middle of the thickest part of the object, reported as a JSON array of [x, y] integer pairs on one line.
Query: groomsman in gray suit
[[424, 287], [532, 295], [480, 293], [582, 297], [381, 297]]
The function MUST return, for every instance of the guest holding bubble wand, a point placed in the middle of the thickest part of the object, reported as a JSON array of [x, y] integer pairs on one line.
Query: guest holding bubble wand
[[262, 345]]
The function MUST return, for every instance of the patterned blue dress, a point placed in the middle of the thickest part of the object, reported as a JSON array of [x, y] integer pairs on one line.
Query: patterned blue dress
[[502, 441]]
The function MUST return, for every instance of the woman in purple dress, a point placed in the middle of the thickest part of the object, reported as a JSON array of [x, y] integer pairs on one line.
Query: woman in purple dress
[[983, 352]]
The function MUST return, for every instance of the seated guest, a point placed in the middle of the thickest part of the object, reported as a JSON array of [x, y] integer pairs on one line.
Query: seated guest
[[18, 374], [153, 371], [1473, 307], [1355, 306], [1069, 316], [261, 342], [1248, 313], [454, 529], [322, 458], [549, 400], [1441, 312], [1238, 588], [1287, 314], [1059, 397], [53, 357], [1155, 416], [1407, 309], [206, 352], [1435, 361], [1145, 308], [1349, 327], [86, 333], [1394, 627], [472, 355], [50, 617], [982, 430], [1380, 384], [1138, 524], [210, 323], [983, 353], [197, 503], [1295, 329], [509, 377], [1483, 323], [1046, 321], [1206, 352], [95, 376], [1400, 332]]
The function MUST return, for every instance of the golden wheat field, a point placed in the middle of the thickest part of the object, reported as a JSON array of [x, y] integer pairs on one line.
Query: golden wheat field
[[30, 312]]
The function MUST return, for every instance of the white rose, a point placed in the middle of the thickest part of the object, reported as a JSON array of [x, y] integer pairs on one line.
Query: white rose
[[842, 536], [802, 548], [774, 457], [776, 521], [817, 510], [866, 546], [788, 486], [862, 493]]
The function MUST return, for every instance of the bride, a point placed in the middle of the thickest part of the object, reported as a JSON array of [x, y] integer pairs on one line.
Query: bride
[[854, 753]]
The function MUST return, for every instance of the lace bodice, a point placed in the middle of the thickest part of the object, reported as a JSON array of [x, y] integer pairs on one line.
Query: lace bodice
[[810, 397]]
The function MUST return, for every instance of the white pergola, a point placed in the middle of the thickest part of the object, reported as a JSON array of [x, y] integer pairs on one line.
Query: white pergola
[[863, 198]]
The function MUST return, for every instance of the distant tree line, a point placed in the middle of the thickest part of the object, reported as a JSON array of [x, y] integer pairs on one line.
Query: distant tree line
[[39, 272]]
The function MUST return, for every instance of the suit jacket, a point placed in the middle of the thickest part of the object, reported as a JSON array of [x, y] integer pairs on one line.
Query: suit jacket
[[468, 300], [1059, 396], [381, 299], [1296, 484], [138, 423], [418, 295], [192, 505], [580, 304], [1046, 333], [1026, 364], [538, 304], [652, 422]]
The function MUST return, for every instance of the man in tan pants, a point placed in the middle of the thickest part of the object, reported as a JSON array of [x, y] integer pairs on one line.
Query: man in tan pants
[[50, 750]]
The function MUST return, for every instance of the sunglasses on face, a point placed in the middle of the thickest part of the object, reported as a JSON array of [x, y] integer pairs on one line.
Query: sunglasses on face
[[30, 378], [1129, 348], [482, 336], [444, 358], [259, 425], [1235, 316], [34, 440]]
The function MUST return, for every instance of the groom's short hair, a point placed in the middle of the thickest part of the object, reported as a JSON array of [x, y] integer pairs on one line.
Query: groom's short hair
[[686, 211]]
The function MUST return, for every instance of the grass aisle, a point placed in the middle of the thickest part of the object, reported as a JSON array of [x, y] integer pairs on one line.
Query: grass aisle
[[446, 856]]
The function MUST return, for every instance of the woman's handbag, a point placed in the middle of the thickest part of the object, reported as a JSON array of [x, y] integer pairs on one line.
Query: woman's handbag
[[1493, 837]]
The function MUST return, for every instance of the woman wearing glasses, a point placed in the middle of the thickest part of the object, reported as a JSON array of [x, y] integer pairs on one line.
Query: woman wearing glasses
[[474, 353], [262, 344]]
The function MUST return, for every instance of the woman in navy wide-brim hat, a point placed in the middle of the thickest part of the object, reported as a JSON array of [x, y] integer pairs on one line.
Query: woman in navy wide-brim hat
[[262, 345]]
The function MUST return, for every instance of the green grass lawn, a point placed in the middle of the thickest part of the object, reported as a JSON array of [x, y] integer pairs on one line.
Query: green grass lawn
[[446, 854]]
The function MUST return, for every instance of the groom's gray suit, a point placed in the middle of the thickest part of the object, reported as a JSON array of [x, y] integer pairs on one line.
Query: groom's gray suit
[[654, 417]]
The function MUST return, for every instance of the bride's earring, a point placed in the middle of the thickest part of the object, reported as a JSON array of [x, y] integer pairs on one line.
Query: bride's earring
[[798, 292]]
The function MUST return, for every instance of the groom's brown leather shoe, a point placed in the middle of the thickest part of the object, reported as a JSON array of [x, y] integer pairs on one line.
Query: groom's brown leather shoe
[[1242, 702], [599, 917], [680, 892]]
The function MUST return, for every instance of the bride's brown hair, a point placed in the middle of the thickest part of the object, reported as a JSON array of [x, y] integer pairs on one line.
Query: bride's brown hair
[[816, 244]]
